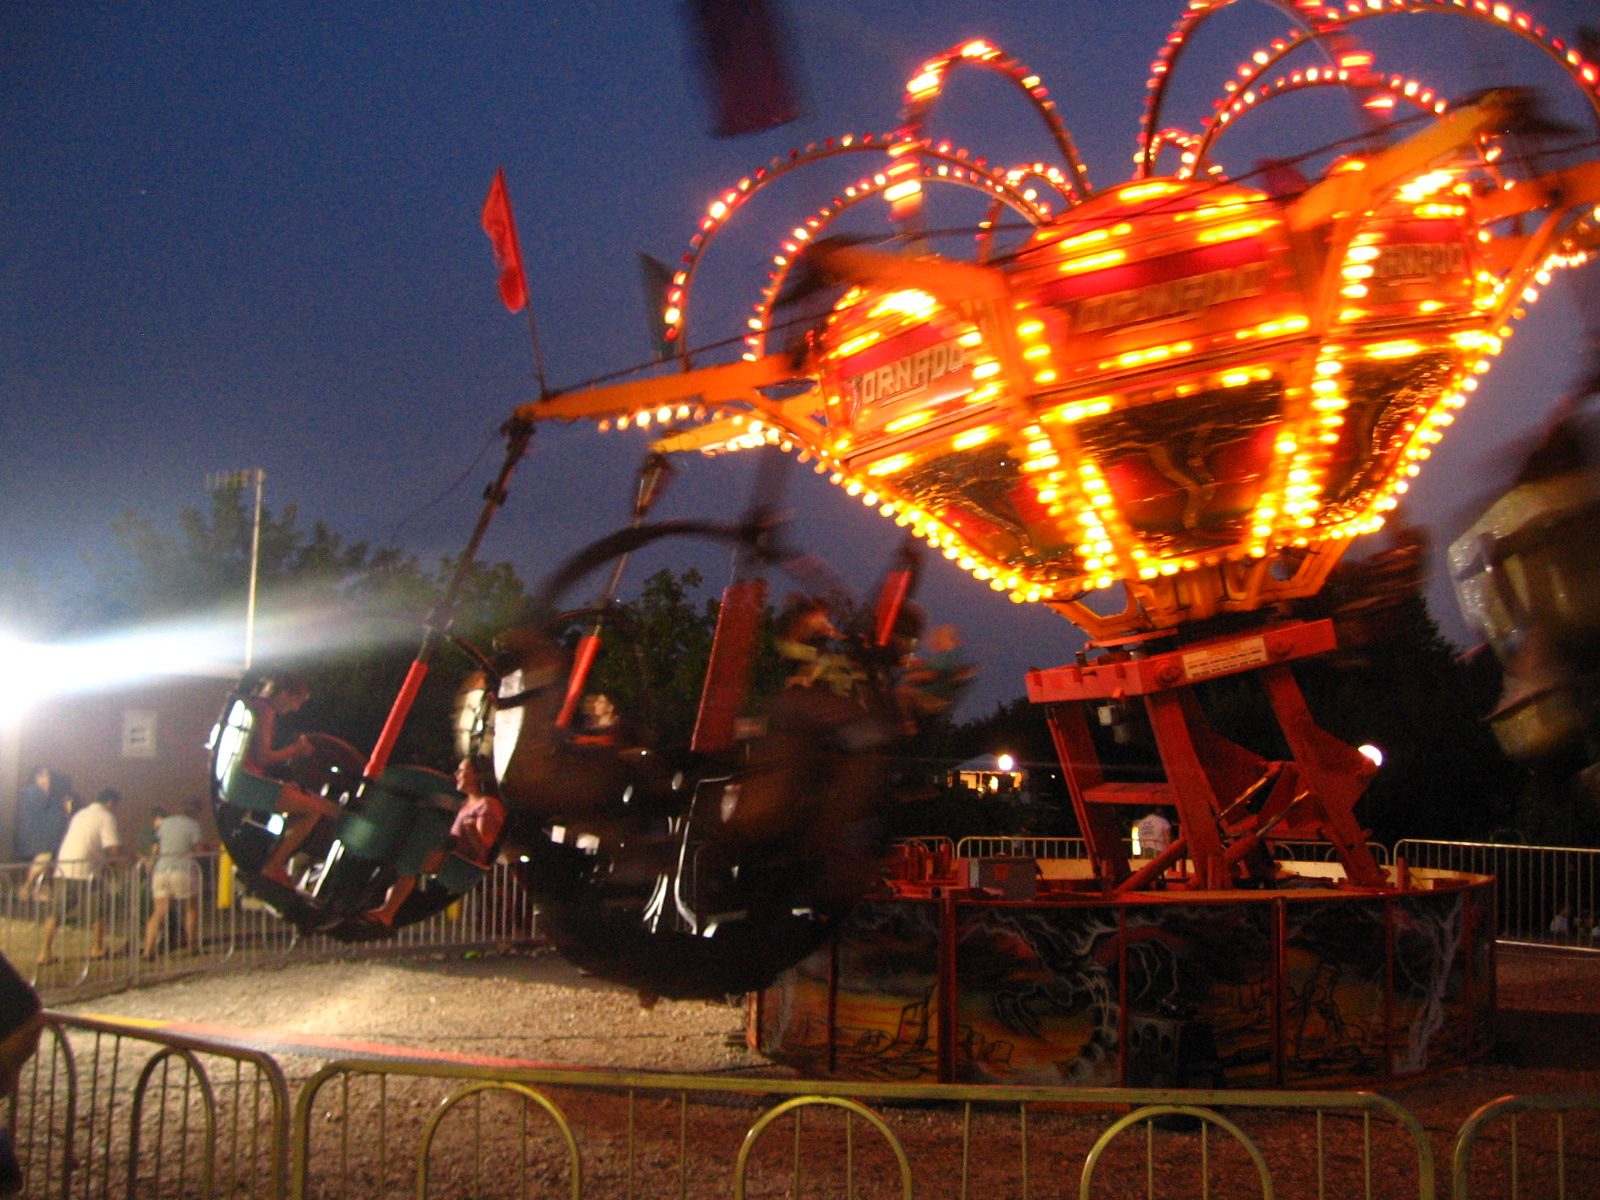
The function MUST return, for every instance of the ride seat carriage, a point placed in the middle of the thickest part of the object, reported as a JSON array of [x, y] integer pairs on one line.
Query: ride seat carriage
[[396, 822]]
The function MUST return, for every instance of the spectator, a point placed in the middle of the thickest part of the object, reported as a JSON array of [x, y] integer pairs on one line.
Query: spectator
[[174, 875], [91, 840], [41, 824], [157, 815], [21, 1021], [1155, 834], [1561, 923]]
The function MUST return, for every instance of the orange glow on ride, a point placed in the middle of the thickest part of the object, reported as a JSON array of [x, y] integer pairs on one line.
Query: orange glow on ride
[[1197, 389]]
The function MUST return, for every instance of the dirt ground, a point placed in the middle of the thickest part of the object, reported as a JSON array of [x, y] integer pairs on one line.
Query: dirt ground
[[523, 1005], [534, 1006]]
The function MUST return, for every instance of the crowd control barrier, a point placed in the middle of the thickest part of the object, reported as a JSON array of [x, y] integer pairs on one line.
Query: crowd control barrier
[[233, 929], [108, 1109]]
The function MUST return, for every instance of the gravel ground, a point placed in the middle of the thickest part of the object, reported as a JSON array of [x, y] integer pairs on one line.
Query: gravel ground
[[534, 1006], [529, 1005]]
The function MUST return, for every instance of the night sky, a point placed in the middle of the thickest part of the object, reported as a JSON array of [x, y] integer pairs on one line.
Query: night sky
[[236, 235]]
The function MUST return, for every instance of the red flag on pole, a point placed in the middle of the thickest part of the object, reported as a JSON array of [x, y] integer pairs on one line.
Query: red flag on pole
[[502, 231]]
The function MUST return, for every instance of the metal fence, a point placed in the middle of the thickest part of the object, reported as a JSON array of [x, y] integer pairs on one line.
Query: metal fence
[[1310, 851], [1542, 1157], [1022, 847], [373, 1130], [1547, 895], [1072, 847], [107, 1110], [232, 929]]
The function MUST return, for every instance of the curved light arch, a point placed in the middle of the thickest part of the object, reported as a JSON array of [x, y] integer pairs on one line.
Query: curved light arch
[[722, 209], [1047, 174], [1262, 61], [966, 176], [1584, 73], [1332, 20], [1042, 171], [1161, 71], [1398, 86], [1187, 143], [924, 89]]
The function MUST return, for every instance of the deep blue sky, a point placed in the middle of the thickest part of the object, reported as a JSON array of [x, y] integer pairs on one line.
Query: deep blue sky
[[234, 235]]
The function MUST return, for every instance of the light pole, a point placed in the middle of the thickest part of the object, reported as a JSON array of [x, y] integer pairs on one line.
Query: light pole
[[238, 479]]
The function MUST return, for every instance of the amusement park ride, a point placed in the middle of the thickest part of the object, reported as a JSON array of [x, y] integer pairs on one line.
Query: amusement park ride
[[1165, 414]]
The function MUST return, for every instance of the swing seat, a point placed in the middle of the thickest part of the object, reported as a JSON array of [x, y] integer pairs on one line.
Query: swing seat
[[460, 875], [253, 793], [405, 815]]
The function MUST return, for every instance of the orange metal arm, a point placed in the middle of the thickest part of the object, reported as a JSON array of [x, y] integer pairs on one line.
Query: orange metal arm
[[1349, 192], [955, 283], [723, 384], [1565, 189]]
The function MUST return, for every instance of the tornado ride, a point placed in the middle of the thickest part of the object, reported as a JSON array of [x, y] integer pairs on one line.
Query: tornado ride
[[1164, 413]]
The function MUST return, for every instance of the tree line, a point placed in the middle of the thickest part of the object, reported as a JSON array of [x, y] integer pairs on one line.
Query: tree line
[[354, 612]]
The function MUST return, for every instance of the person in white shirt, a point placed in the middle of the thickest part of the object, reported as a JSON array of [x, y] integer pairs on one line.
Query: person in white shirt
[[92, 839], [174, 875], [1155, 834]]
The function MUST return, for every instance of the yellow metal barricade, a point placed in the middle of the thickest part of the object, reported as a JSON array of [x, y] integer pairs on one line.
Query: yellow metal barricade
[[634, 1134], [1544, 1162]]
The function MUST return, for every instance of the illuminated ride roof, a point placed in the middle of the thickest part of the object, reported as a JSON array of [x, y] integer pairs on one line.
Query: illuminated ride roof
[[1181, 385]]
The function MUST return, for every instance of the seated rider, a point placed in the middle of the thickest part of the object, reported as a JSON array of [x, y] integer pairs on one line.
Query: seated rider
[[473, 834], [931, 684], [602, 724], [282, 695], [807, 636]]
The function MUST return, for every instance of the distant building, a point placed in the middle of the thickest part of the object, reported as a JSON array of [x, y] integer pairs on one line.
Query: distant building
[[998, 774], [145, 740]]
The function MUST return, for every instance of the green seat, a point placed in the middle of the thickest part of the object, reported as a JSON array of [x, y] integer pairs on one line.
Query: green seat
[[400, 817], [428, 833], [422, 784], [460, 875], [253, 793]]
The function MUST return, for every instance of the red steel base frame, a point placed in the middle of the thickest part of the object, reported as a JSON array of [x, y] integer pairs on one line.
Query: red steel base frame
[[1228, 798]]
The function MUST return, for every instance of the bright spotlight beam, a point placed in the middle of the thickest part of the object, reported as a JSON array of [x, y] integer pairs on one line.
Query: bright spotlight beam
[[32, 673]]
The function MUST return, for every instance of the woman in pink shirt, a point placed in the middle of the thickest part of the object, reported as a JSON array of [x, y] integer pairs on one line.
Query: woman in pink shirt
[[473, 835]]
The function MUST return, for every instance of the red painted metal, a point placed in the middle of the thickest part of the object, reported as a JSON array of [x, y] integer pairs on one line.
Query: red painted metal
[[1335, 774], [1389, 909], [1115, 677], [833, 1005], [1209, 778], [1122, 996], [890, 601], [733, 648], [582, 661], [397, 718], [1191, 789], [1155, 868], [517, 431], [1080, 765], [973, 967], [949, 990], [1280, 967]]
